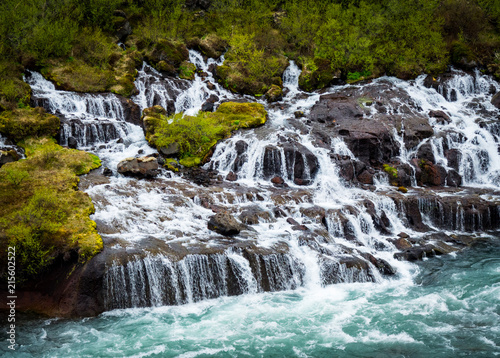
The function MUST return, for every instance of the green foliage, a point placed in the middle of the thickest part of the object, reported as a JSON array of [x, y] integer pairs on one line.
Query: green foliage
[[357, 76], [248, 69], [14, 92], [196, 135], [393, 172]]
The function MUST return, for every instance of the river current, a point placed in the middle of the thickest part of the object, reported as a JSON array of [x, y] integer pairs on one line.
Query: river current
[[447, 307], [441, 307]]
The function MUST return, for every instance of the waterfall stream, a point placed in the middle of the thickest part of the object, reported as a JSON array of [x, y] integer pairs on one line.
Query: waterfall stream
[[315, 229]]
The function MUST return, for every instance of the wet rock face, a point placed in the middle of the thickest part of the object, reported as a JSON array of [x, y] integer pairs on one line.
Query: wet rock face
[[440, 84], [496, 100], [301, 165], [143, 167], [341, 116], [225, 224]]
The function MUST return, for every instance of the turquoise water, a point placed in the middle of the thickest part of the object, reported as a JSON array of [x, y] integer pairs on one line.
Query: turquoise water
[[447, 307]]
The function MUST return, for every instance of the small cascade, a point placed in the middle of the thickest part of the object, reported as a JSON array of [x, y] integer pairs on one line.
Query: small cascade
[[315, 206], [291, 79], [88, 118], [155, 89], [470, 143]]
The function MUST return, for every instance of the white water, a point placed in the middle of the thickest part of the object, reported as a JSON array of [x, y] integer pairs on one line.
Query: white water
[[170, 209]]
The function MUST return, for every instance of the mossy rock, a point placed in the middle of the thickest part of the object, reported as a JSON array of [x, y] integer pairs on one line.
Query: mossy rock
[[171, 164], [210, 46], [28, 122], [249, 70], [275, 93], [125, 72], [167, 56], [77, 76], [316, 74], [42, 213], [195, 136], [187, 70], [391, 171], [151, 118]]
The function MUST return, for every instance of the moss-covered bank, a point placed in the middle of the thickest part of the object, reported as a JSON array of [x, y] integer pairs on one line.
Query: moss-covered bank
[[42, 213], [191, 138]]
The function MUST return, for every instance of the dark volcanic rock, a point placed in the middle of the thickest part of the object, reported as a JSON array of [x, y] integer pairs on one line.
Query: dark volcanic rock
[[225, 224], [496, 100], [231, 176], [301, 162], [8, 156], [255, 214]]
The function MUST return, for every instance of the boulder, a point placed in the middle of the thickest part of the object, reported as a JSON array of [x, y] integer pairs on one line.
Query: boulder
[[440, 116], [255, 214], [425, 152], [225, 224], [170, 150], [241, 157], [416, 129], [453, 178], [496, 100], [8, 156], [231, 176], [454, 157], [72, 142], [274, 94], [143, 167]]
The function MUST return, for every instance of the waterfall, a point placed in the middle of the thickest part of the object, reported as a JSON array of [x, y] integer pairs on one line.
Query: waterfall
[[313, 225]]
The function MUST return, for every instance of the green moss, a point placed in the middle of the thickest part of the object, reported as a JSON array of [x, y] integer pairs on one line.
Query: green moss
[[27, 122], [41, 212], [365, 102], [402, 189], [190, 161], [196, 135], [248, 69], [78, 76], [171, 164], [167, 56], [316, 74], [393, 172], [187, 70]]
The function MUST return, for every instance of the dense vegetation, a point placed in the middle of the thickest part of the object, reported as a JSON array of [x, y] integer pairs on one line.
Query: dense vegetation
[[75, 41]]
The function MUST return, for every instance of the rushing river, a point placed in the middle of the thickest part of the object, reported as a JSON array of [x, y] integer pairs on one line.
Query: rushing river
[[166, 265], [448, 307]]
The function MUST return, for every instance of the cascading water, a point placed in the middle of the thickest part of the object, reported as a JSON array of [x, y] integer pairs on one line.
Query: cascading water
[[312, 229]]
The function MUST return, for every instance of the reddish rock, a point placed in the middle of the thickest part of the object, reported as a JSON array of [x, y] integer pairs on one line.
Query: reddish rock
[[365, 177], [277, 180], [231, 176]]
